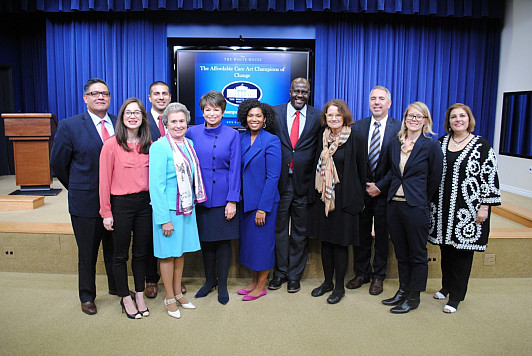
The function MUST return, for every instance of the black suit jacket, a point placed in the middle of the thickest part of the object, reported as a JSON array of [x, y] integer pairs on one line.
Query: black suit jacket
[[154, 129], [75, 160], [353, 182], [303, 153], [422, 173], [392, 128]]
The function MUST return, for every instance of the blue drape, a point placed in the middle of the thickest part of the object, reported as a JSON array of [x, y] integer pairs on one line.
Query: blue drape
[[437, 61], [455, 8], [128, 53], [516, 135]]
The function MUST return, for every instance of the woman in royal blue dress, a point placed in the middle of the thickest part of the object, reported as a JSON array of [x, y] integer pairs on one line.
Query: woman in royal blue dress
[[218, 151], [261, 168], [176, 185]]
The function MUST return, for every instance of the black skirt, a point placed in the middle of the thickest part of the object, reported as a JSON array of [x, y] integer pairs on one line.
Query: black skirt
[[212, 225]]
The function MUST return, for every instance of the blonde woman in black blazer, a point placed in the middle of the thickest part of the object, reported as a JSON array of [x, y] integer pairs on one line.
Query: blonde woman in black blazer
[[415, 172]]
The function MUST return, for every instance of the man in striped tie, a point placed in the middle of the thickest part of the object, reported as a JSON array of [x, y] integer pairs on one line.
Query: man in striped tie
[[378, 130]]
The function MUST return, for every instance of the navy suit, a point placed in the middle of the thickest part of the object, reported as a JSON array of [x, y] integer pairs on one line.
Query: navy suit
[[291, 250], [151, 261], [154, 129], [75, 161], [374, 213], [409, 221]]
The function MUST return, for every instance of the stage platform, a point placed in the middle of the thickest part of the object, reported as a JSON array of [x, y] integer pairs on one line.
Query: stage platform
[[41, 240]]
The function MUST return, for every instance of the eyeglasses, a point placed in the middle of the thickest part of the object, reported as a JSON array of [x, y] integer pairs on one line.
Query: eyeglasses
[[412, 117], [96, 94], [334, 116], [128, 113]]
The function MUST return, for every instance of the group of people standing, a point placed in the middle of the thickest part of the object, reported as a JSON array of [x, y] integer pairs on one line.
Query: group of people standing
[[148, 180]]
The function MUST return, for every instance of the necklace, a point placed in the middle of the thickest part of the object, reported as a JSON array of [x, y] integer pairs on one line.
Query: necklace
[[457, 143]]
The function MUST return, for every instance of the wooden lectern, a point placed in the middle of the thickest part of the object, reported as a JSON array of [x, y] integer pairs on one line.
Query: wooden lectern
[[32, 136]]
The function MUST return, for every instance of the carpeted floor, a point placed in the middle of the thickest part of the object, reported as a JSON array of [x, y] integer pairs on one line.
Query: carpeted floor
[[40, 315]]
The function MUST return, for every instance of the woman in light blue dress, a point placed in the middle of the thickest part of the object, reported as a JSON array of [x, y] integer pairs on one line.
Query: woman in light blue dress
[[175, 186]]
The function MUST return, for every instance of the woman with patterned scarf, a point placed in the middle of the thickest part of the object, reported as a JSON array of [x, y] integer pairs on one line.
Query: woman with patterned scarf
[[337, 198], [176, 185]]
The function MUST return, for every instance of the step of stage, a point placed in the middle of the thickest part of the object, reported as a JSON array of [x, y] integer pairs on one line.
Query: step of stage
[[20, 202], [514, 212]]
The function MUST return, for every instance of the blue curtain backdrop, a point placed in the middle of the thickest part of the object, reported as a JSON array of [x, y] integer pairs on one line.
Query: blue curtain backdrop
[[128, 53], [516, 136], [437, 61], [459, 8]]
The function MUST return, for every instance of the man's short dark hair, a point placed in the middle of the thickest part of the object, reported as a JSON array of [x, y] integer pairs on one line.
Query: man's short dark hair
[[93, 81]]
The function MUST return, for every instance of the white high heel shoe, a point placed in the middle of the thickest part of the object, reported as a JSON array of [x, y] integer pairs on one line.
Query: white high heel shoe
[[174, 314], [188, 305]]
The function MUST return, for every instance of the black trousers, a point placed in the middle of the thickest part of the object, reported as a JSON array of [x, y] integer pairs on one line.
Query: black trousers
[[374, 214], [409, 230], [334, 259], [131, 213], [152, 276], [291, 245], [455, 270], [89, 232]]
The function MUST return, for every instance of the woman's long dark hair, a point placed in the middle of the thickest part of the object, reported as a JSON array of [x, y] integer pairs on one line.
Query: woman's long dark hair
[[144, 128]]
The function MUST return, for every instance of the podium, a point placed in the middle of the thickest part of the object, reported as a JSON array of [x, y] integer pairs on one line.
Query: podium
[[32, 136]]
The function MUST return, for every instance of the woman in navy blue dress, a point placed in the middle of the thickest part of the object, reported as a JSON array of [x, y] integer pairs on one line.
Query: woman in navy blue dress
[[261, 168]]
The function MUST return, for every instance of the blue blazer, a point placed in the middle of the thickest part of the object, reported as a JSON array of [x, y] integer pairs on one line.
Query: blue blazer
[[422, 174], [154, 129], [75, 160], [163, 181], [303, 153], [261, 169]]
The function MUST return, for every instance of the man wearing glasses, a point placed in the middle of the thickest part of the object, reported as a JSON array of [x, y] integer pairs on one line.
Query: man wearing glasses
[[378, 131], [75, 161]]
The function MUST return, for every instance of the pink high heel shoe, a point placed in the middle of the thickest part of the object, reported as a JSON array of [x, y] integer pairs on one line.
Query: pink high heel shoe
[[249, 297], [242, 291]]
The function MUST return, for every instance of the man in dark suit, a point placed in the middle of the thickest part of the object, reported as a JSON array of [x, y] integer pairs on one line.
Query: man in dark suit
[[159, 97], [378, 130], [75, 161], [298, 125]]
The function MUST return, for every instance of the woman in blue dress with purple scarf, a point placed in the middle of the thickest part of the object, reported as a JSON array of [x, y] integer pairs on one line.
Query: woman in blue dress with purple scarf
[[261, 169], [218, 149]]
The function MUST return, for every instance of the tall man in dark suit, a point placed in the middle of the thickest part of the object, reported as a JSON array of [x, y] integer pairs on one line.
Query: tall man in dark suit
[[378, 130], [298, 125], [159, 97], [75, 161]]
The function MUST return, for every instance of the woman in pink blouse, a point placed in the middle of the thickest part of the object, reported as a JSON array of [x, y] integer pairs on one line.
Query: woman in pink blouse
[[125, 201]]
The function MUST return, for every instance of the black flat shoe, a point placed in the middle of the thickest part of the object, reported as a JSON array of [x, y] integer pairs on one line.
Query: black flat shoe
[[321, 290], [398, 298], [336, 296]]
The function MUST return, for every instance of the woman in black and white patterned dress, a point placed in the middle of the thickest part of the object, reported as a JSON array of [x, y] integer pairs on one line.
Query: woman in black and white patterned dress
[[460, 210]]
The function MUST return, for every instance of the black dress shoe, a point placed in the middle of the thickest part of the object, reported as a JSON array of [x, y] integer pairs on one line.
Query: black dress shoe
[[397, 299], [293, 286], [321, 290], [336, 296], [410, 303], [88, 308], [356, 282], [276, 283]]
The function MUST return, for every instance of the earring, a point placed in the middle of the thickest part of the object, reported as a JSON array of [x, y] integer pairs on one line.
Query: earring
[[264, 125]]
